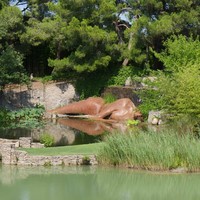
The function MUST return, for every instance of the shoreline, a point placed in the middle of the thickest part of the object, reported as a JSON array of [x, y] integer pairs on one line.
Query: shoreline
[[12, 155]]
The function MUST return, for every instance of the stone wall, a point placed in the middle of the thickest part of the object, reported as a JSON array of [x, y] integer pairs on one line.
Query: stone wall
[[123, 92], [10, 155], [54, 94], [24, 159], [51, 95]]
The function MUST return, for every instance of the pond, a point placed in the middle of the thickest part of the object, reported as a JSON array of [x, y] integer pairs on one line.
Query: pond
[[66, 131], [89, 183]]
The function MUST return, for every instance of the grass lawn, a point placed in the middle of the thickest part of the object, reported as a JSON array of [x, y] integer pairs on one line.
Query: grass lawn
[[84, 149]]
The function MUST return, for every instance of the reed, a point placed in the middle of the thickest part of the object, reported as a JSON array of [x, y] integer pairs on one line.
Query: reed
[[154, 151]]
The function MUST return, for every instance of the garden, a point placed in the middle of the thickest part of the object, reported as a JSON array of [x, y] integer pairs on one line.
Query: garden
[[155, 44]]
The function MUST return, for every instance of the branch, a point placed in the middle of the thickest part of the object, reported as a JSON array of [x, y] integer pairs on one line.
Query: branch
[[123, 25], [19, 3], [128, 9]]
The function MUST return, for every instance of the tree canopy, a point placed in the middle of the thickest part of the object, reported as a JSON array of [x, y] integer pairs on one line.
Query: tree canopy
[[80, 37]]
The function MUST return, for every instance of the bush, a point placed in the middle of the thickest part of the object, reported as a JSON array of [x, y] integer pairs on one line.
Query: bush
[[122, 75], [179, 84], [150, 101], [4, 117], [47, 140], [180, 52], [181, 90]]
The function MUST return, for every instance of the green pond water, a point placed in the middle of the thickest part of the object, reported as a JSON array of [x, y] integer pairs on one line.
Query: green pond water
[[94, 183]]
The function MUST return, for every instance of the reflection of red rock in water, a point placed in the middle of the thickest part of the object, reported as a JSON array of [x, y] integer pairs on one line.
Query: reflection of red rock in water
[[87, 126], [121, 109]]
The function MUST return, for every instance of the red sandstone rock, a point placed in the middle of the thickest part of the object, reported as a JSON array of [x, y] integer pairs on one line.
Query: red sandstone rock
[[121, 109]]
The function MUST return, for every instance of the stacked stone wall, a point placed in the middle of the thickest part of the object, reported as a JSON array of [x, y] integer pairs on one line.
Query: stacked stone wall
[[10, 155]]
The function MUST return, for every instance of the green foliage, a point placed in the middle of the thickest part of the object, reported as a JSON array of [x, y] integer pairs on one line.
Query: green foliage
[[47, 139], [27, 113], [47, 164], [185, 124], [46, 79], [11, 67], [4, 3], [132, 122], [11, 23], [122, 75], [109, 98], [179, 84], [149, 150], [92, 84], [4, 117], [78, 38], [180, 52], [86, 160], [151, 100], [38, 32], [26, 117], [154, 22], [180, 92], [89, 44]]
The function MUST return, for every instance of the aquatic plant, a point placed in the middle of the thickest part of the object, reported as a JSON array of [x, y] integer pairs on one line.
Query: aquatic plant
[[154, 151]]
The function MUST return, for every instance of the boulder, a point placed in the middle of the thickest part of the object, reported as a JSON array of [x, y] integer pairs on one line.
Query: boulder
[[155, 117]]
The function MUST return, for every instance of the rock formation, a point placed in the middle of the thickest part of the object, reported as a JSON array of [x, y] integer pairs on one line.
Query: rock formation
[[96, 108]]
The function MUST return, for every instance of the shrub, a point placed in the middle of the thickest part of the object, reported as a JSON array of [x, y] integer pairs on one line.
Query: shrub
[[47, 140], [151, 100], [180, 51], [179, 84], [85, 160], [4, 117], [122, 75], [180, 91]]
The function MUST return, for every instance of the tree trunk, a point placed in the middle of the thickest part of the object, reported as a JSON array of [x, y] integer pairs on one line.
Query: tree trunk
[[126, 60]]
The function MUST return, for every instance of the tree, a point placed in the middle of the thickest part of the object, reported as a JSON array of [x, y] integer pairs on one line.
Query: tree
[[11, 60], [180, 51], [83, 36], [179, 83], [4, 3], [11, 67], [152, 22], [80, 41], [11, 25]]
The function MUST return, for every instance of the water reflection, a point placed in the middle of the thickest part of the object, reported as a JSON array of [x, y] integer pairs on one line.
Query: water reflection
[[33, 183], [66, 131], [92, 127], [14, 133]]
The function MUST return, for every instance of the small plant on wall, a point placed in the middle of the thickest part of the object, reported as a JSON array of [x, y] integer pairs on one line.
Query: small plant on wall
[[86, 160]]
